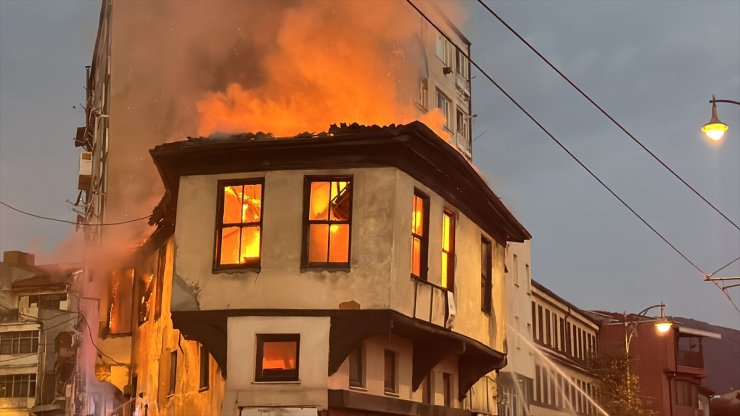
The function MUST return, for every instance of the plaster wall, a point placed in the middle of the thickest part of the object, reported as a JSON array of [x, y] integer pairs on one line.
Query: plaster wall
[[311, 388], [154, 340], [281, 284]]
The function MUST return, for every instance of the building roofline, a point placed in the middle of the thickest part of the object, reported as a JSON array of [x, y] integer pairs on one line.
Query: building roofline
[[586, 314], [412, 148]]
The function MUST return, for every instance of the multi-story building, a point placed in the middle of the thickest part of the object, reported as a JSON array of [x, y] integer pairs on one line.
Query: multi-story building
[[516, 380], [351, 273], [132, 104], [38, 337], [670, 365], [565, 338]]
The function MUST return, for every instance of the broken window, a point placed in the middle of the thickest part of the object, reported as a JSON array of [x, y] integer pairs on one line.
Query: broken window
[[48, 301], [161, 261], [419, 235], [239, 227], [146, 287], [444, 104], [328, 219], [121, 302], [448, 250], [486, 281], [277, 357]]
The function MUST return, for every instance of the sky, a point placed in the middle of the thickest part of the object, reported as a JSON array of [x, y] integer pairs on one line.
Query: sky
[[653, 65]]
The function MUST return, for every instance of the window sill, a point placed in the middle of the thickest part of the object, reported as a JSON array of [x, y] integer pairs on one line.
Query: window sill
[[202, 389], [358, 388], [278, 382], [391, 393], [234, 270], [325, 268]]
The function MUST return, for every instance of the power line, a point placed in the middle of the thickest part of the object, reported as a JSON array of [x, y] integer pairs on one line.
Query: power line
[[573, 156], [607, 115], [723, 267], [67, 221]]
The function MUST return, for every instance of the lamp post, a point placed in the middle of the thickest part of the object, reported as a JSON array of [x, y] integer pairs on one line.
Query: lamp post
[[715, 129], [662, 325]]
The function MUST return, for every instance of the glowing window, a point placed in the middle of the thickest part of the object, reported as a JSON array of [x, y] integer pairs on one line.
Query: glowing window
[[419, 235], [448, 250], [239, 228], [277, 357], [328, 214]]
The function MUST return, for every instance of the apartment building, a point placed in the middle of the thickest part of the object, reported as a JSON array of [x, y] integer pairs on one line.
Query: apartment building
[[565, 339], [670, 365], [39, 329], [340, 274], [516, 380]]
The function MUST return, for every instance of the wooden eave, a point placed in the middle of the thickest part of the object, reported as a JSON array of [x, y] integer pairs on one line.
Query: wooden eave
[[412, 148]]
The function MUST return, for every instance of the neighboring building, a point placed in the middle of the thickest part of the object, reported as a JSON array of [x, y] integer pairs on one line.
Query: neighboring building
[[670, 366], [359, 272], [39, 337], [516, 380], [565, 339]]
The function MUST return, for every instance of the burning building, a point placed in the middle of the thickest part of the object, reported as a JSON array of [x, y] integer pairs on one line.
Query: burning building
[[352, 272], [278, 66]]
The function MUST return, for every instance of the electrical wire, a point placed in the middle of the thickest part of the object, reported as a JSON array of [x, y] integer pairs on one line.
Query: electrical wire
[[566, 150], [723, 267], [607, 115], [67, 221]]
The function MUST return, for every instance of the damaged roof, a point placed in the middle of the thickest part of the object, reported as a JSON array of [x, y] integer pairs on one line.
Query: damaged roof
[[412, 148]]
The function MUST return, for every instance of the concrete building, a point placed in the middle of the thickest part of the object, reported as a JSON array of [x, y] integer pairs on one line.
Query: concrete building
[[670, 366], [565, 339], [39, 337], [350, 273], [516, 380]]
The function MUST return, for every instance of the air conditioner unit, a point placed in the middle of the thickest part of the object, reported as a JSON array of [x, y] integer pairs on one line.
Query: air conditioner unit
[[85, 178]]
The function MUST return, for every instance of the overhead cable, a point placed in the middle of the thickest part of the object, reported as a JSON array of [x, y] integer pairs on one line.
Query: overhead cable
[[70, 222], [607, 115], [566, 150]]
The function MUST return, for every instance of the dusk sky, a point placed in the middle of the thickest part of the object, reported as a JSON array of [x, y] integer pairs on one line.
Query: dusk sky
[[652, 65]]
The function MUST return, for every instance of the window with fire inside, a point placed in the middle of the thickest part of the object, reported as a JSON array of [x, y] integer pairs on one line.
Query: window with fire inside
[[327, 225], [239, 224]]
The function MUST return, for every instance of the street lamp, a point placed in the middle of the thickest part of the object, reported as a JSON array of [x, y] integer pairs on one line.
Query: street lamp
[[662, 324], [715, 129]]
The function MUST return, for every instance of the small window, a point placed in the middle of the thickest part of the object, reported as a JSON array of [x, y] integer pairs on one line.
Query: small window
[[239, 224], [204, 368], [427, 392], [422, 95], [448, 250], [277, 357], [161, 262], [419, 235], [443, 49], [146, 286], [389, 373], [356, 368], [486, 280], [173, 373], [444, 104], [328, 213], [447, 389]]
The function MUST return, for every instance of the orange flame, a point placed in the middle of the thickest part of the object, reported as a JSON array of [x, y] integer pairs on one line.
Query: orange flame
[[334, 62]]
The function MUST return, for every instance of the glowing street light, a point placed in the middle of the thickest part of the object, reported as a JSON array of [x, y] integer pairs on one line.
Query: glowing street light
[[663, 325], [715, 129]]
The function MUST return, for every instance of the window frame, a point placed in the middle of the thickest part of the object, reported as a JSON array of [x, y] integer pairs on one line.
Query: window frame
[[486, 302], [448, 282], [360, 357], [393, 379], [307, 181], [423, 239], [172, 379], [253, 265], [445, 111], [276, 375], [204, 369], [13, 342], [159, 276]]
